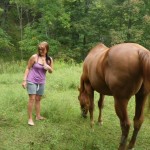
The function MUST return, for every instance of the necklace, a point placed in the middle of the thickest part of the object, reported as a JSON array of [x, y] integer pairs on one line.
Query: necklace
[[43, 60]]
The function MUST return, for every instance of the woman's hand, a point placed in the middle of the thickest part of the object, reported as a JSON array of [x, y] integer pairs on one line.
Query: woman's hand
[[24, 84], [46, 67]]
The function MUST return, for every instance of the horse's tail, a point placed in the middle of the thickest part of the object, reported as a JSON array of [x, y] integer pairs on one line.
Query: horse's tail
[[144, 56], [149, 103]]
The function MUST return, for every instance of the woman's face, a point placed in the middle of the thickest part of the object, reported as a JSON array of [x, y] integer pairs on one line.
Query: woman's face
[[42, 50]]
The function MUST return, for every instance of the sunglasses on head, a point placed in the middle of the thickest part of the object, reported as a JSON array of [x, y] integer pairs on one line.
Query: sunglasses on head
[[41, 48]]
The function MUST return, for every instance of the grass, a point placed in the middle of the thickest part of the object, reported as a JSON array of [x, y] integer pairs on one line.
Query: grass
[[64, 129]]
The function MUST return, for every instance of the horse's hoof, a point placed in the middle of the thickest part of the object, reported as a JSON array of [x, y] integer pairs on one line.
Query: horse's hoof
[[100, 123], [84, 116], [92, 129], [92, 124], [130, 147]]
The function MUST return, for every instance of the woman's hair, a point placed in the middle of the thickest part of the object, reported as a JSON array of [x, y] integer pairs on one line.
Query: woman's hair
[[47, 48]]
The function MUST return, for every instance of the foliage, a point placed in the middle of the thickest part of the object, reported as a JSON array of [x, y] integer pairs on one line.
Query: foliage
[[4, 40], [6, 47], [72, 27]]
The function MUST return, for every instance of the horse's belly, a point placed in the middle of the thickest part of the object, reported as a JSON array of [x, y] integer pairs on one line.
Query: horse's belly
[[124, 86], [101, 87], [98, 83]]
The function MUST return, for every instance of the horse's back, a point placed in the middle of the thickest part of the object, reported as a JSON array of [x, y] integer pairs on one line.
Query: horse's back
[[110, 69], [124, 57], [124, 70]]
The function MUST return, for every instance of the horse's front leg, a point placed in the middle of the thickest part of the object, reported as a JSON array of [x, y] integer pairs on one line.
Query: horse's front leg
[[100, 106], [121, 111], [139, 117], [91, 107], [90, 96]]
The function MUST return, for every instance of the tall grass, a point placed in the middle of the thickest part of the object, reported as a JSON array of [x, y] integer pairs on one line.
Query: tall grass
[[64, 129]]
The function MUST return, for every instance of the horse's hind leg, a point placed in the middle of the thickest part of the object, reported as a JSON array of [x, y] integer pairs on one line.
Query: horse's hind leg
[[100, 106], [121, 111], [140, 99]]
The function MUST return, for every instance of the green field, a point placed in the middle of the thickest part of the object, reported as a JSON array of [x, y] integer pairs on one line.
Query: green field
[[64, 129]]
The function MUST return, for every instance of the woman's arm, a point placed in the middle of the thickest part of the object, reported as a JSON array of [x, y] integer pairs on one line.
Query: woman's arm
[[49, 66], [29, 66]]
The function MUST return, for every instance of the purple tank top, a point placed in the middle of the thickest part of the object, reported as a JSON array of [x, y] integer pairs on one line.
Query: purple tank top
[[37, 74]]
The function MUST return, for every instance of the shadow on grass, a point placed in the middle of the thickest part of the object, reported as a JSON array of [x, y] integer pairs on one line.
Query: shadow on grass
[[6, 122]]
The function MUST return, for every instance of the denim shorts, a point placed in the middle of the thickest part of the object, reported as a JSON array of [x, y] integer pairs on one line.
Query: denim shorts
[[34, 88]]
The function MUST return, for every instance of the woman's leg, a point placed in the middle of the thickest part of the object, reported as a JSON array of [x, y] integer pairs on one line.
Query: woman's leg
[[30, 108], [38, 107]]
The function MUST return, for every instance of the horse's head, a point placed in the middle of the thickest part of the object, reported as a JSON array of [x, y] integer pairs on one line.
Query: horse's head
[[84, 102]]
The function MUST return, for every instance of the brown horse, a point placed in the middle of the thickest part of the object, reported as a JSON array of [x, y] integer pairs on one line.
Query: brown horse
[[120, 71]]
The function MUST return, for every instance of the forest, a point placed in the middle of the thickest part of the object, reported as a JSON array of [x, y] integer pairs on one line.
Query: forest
[[71, 27]]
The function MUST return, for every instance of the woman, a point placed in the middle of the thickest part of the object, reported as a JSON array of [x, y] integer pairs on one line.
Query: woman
[[34, 79]]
